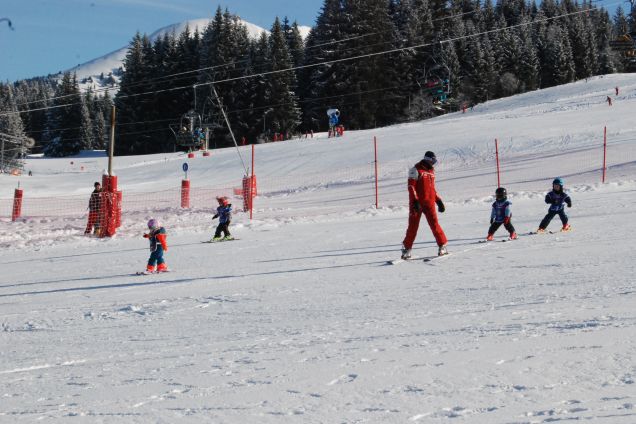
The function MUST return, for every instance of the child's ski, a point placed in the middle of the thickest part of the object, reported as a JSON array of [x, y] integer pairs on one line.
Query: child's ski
[[399, 261], [152, 273], [219, 241]]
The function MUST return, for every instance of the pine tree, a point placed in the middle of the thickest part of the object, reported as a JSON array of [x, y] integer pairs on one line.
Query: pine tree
[[12, 135], [604, 29], [529, 65], [365, 78], [133, 106], [86, 123], [64, 119], [286, 115], [322, 85]]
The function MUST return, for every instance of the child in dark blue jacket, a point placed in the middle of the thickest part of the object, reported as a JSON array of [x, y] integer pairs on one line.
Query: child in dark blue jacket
[[557, 199], [224, 213], [501, 214]]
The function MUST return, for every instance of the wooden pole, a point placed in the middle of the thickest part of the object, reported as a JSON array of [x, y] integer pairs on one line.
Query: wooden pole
[[111, 145]]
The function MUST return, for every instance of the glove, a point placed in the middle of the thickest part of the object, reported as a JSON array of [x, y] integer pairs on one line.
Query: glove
[[440, 206], [417, 208], [215, 216], [165, 249], [569, 204], [146, 235], [492, 220]]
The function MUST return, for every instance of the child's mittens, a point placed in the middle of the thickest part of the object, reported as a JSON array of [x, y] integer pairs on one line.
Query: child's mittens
[[215, 216], [492, 220], [146, 235]]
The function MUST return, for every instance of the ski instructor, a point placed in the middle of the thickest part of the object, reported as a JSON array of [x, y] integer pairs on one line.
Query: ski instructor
[[422, 200]]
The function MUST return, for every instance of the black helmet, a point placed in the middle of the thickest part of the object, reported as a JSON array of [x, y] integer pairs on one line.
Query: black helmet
[[430, 158], [501, 193]]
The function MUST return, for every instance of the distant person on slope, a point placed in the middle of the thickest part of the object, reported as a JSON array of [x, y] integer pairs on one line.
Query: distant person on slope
[[158, 245], [609, 100], [94, 208], [501, 214], [557, 199], [224, 213], [422, 200]]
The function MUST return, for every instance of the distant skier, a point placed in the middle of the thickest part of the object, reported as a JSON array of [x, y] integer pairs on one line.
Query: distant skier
[[94, 207], [609, 100], [158, 245], [616, 90], [422, 200], [501, 214], [224, 213], [557, 199]]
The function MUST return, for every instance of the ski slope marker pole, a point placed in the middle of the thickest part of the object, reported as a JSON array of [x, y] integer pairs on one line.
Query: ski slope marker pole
[[252, 187], [497, 156], [375, 148], [604, 152]]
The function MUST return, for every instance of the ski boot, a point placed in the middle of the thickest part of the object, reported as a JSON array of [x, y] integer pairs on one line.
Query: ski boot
[[513, 236], [150, 269], [215, 239], [541, 231], [442, 251], [228, 238], [406, 253], [566, 228], [162, 268], [490, 237]]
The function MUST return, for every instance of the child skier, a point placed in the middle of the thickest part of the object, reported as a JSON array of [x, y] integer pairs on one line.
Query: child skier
[[158, 246], [557, 199], [224, 213], [501, 214]]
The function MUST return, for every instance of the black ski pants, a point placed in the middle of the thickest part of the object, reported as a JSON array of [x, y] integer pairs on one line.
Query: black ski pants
[[223, 228], [551, 214], [495, 226]]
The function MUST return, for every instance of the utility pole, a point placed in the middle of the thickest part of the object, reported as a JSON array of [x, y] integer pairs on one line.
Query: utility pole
[[111, 145]]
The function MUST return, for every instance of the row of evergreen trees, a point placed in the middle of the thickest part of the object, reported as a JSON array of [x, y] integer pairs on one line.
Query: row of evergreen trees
[[55, 114], [486, 51]]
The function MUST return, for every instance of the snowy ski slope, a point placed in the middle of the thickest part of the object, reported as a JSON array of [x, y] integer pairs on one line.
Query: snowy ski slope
[[302, 320]]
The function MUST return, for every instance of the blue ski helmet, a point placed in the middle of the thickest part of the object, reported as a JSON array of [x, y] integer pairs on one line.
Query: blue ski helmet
[[153, 223], [559, 181]]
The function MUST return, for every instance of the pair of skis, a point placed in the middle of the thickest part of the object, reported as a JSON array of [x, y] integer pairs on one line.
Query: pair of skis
[[434, 258]]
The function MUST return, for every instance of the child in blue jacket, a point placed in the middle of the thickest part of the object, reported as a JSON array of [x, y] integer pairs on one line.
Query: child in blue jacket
[[224, 213], [557, 199], [501, 214]]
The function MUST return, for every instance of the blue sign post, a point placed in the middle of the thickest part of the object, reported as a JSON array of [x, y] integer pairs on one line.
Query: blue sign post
[[185, 169]]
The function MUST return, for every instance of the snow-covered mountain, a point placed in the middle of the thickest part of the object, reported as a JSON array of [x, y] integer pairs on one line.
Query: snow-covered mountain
[[89, 73]]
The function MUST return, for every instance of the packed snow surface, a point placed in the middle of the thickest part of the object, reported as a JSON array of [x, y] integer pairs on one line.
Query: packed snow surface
[[301, 319]]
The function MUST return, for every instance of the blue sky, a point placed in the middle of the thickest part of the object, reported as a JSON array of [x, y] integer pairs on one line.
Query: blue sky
[[54, 35]]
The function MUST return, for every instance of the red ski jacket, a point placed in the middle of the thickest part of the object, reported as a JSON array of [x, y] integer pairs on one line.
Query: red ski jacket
[[422, 186]]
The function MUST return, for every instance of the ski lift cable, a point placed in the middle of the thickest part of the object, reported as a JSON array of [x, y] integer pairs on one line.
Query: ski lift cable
[[330, 62], [229, 127], [457, 15]]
